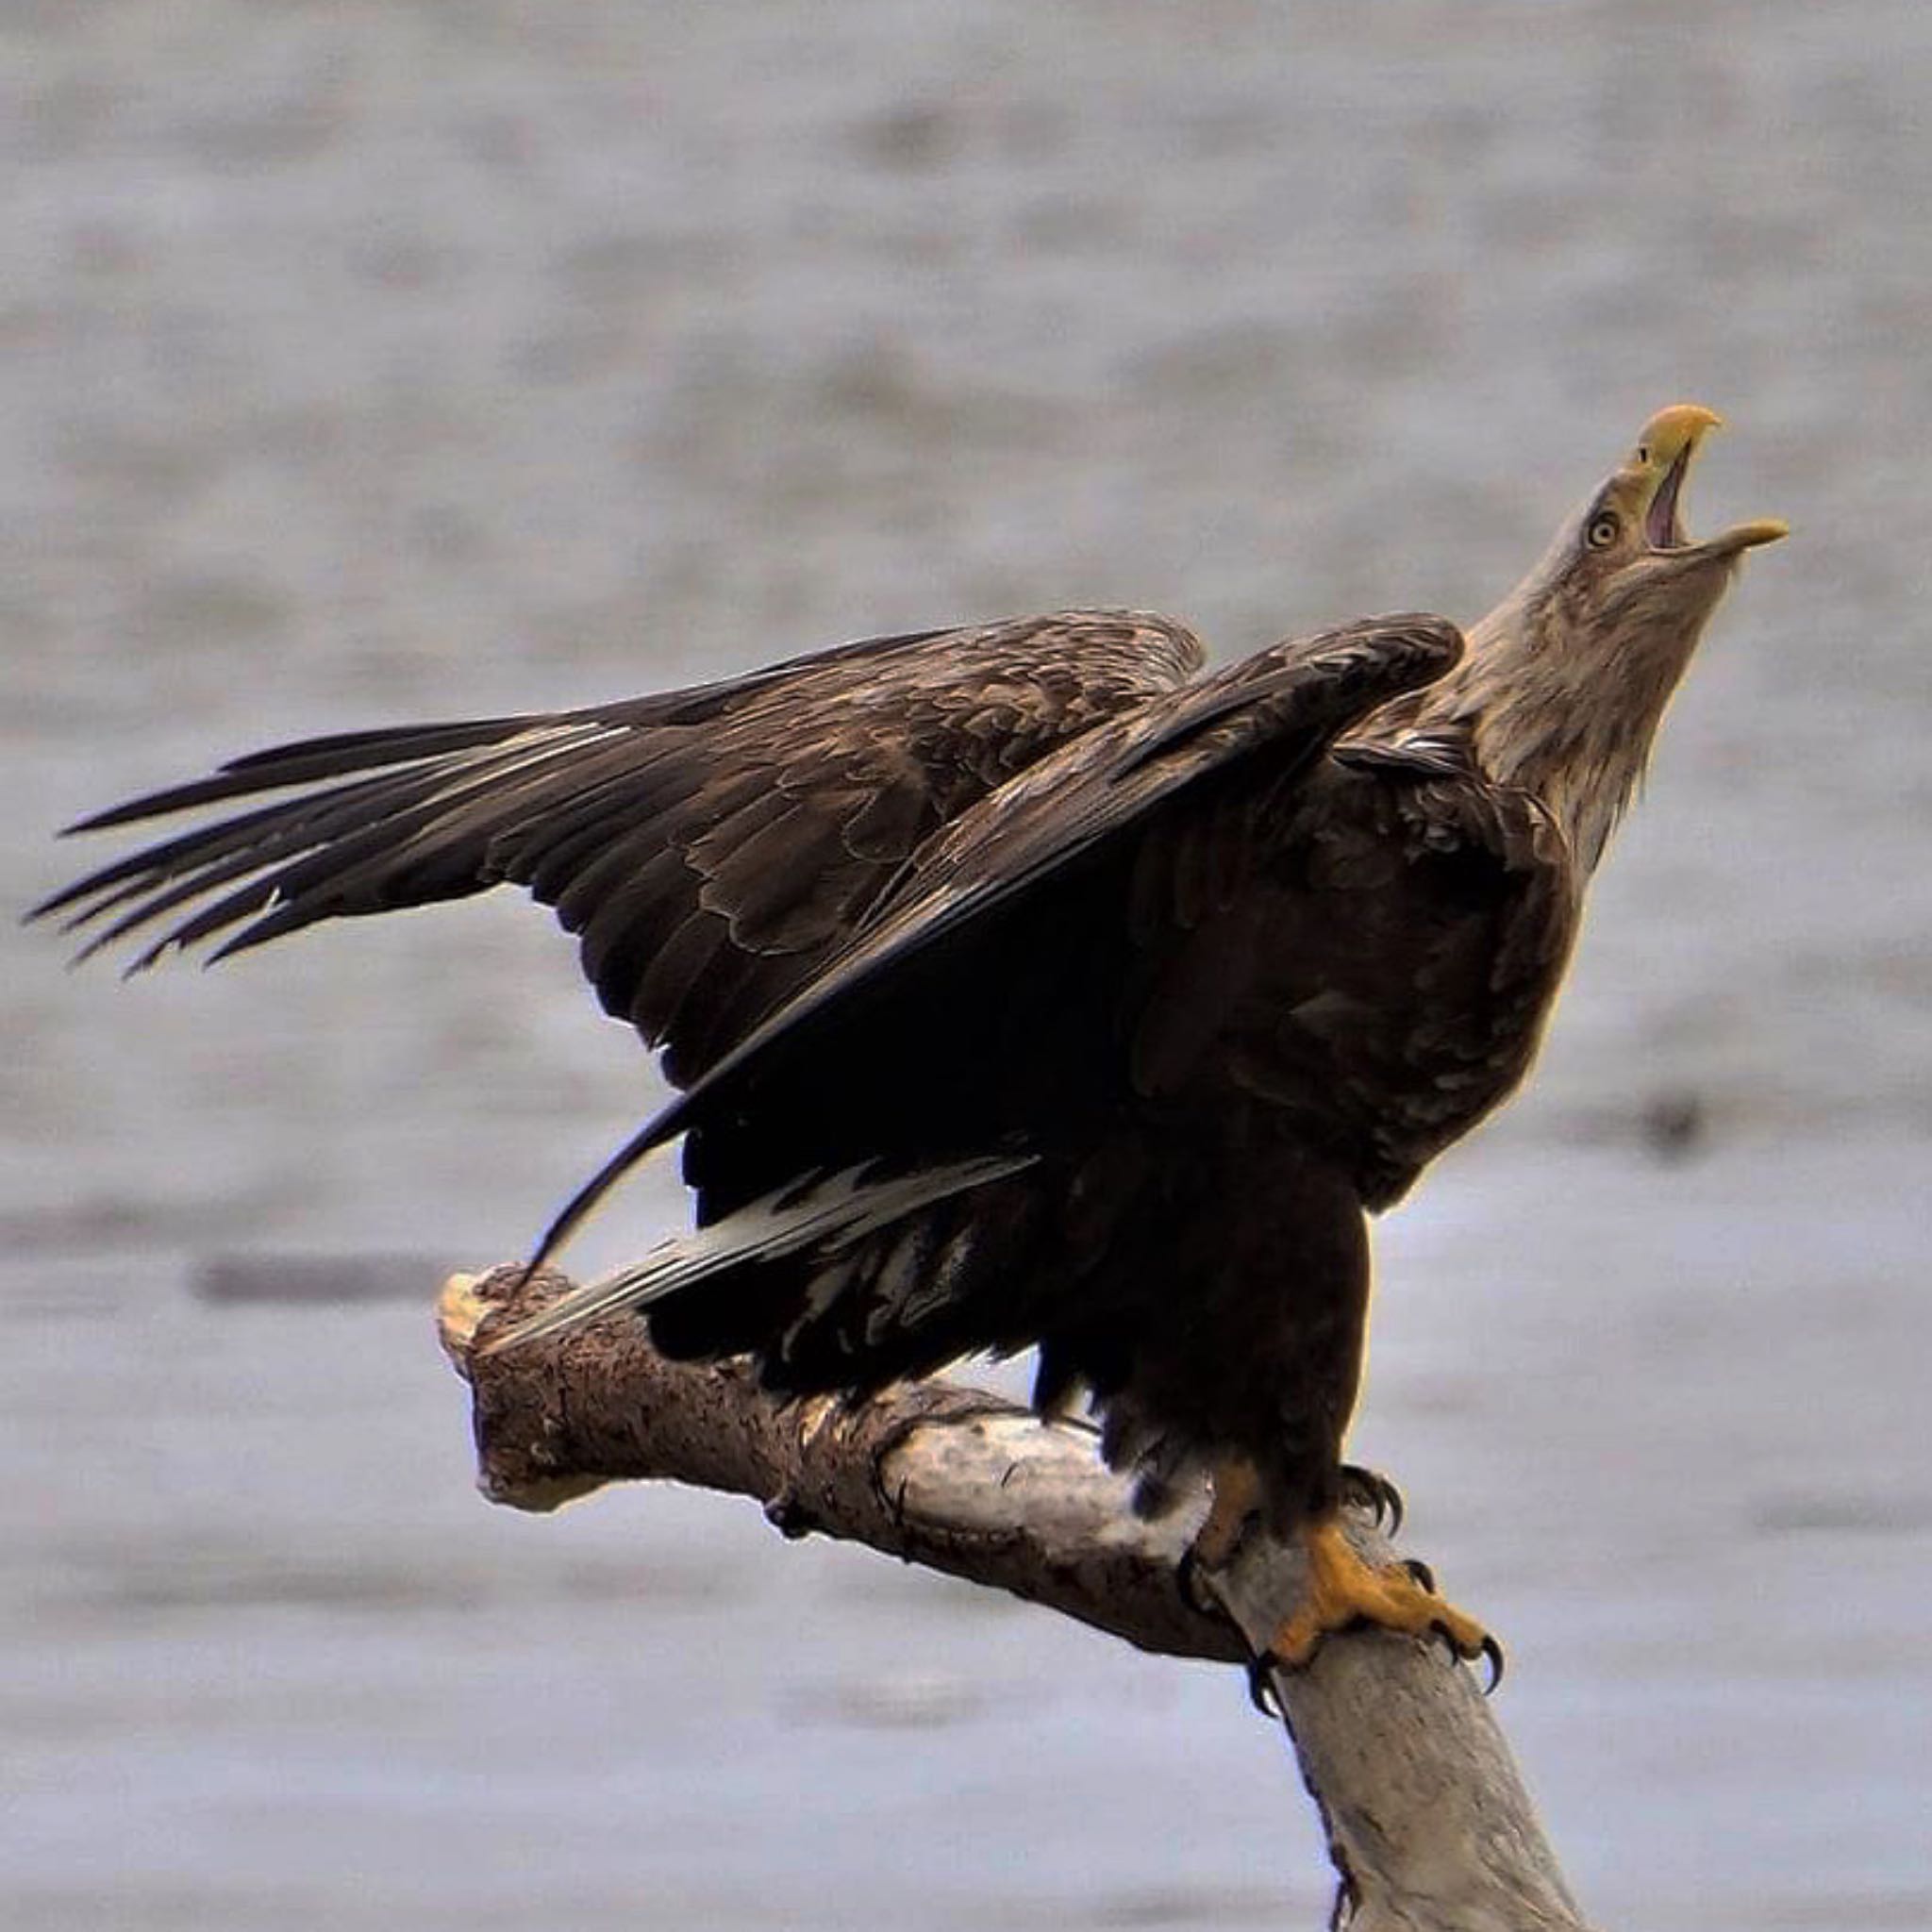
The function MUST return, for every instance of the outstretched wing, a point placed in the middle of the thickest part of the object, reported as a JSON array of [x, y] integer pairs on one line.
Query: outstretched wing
[[711, 847], [904, 1044]]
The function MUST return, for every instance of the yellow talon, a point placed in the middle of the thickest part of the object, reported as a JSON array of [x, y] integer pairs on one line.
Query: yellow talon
[[1344, 1588]]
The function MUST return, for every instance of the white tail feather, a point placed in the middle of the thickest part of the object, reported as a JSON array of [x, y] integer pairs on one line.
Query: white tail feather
[[831, 1212]]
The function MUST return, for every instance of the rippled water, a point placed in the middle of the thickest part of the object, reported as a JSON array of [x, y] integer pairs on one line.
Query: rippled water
[[364, 363]]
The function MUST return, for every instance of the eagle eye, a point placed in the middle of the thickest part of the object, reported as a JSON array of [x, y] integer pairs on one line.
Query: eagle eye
[[1603, 530]]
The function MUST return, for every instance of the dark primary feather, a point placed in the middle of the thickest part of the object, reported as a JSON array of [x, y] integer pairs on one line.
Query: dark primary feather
[[708, 846]]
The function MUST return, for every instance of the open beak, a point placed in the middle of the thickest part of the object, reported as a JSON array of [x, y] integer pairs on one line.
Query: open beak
[[1658, 466]]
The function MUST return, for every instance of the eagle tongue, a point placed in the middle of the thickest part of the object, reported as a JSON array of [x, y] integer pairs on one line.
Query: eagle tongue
[[1661, 529]]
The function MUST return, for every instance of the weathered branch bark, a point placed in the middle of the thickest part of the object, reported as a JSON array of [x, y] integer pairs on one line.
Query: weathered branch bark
[[1428, 1823]]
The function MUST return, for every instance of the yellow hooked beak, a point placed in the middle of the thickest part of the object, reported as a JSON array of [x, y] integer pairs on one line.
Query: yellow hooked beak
[[1652, 482]]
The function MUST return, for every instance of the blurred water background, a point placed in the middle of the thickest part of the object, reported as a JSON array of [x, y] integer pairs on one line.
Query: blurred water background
[[365, 363]]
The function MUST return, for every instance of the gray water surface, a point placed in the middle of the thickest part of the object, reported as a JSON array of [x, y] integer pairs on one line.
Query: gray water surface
[[373, 362]]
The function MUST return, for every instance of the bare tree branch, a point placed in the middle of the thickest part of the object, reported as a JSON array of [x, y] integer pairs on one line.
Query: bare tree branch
[[1428, 1823]]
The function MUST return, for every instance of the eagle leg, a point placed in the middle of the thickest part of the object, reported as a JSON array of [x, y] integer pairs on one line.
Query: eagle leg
[[1234, 1489], [1344, 1588], [1235, 1485]]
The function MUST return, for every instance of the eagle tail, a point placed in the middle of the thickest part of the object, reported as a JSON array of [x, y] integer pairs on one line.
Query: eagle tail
[[826, 1212]]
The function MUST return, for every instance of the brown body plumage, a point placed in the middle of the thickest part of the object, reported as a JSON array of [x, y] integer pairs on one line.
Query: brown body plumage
[[1026, 987]]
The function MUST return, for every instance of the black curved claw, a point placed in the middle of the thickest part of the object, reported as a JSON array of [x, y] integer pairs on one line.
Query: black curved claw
[[1489, 1650], [1186, 1579], [1375, 1493], [1261, 1688], [1421, 1574], [1492, 1651]]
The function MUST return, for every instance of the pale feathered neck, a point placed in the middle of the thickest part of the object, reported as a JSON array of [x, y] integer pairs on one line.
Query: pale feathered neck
[[1563, 701]]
